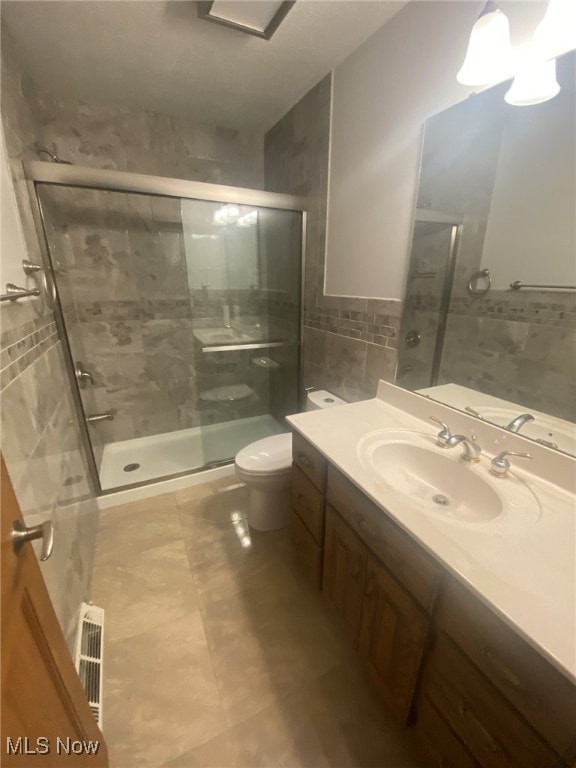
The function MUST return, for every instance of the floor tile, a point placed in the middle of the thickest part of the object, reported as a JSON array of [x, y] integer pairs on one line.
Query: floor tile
[[220, 654], [264, 644], [146, 590], [335, 720], [161, 698], [133, 528], [216, 753]]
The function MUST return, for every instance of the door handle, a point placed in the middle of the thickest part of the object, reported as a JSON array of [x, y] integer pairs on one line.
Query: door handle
[[45, 531]]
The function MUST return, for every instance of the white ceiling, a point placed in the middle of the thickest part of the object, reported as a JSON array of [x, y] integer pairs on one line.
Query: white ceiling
[[159, 56]]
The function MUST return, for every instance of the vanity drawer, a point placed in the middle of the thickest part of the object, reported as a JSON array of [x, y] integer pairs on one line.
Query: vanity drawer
[[308, 503], [307, 551], [310, 461], [493, 732], [537, 690], [417, 572], [437, 740]]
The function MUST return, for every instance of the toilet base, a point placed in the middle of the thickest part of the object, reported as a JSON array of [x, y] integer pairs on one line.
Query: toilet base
[[269, 508]]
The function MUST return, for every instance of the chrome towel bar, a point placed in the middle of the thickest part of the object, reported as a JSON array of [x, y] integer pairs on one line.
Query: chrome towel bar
[[15, 292], [518, 284]]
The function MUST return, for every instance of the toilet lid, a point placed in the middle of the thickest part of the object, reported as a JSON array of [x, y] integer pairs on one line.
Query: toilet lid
[[272, 454]]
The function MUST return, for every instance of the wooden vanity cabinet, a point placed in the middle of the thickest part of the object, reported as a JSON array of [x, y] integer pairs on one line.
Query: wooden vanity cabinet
[[345, 559], [393, 637], [484, 722], [537, 690], [377, 580], [308, 498], [485, 697], [500, 698]]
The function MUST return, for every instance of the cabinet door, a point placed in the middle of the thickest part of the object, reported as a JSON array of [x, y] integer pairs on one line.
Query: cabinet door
[[310, 461], [437, 740], [489, 727], [393, 636], [344, 569], [306, 550]]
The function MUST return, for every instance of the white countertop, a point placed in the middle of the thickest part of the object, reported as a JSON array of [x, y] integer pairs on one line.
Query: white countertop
[[524, 570]]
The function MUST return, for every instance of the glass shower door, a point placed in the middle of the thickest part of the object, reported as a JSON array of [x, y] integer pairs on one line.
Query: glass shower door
[[243, 267], [182, 318]]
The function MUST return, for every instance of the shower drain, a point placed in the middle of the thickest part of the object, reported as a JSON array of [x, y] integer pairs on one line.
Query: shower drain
[[131, 467], [440, 499]]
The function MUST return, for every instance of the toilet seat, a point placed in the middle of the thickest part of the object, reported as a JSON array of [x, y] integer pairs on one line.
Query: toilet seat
[[271, 455]]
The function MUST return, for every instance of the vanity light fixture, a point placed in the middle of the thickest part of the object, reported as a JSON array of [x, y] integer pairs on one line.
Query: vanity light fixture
[[536, 79], [557, 30], [534, 84], [260, 19], [489, 55]]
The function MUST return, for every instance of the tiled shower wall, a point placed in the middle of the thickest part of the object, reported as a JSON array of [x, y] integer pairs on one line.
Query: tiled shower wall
[[349, 344], [128, 306], [39, 441]]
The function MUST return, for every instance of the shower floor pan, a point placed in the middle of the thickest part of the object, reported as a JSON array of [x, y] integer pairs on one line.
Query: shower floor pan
[[171, 452]]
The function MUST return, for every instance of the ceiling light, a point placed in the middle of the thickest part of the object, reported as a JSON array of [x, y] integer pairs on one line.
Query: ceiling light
[[247, 219], [489, 55], [534, 84], [226, 214], [254, 17]]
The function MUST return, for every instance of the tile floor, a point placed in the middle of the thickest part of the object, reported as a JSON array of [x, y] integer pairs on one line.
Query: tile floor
[[218, 653]]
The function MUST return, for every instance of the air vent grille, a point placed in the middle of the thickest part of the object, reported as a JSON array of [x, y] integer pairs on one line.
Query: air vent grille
[[89, 655]]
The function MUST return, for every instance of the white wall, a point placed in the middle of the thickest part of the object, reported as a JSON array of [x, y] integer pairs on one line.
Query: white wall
[[530, 234], [12, 247], [383, 93]]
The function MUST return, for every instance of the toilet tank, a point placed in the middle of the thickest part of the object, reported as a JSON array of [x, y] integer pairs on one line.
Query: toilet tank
[[321, 398]]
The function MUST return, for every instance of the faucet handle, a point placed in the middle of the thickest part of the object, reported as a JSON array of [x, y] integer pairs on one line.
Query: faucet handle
[[500, 465], [444, 435]]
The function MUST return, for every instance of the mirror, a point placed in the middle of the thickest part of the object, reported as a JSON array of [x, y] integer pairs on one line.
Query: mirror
[[489, 323]]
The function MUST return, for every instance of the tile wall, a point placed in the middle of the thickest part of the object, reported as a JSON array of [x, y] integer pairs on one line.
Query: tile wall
[[349, 344], [39, 440]]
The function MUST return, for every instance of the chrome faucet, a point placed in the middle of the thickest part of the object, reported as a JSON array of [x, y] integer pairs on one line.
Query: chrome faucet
[[444, 435], [517, 423], [445, 439], [500, 465], [471, 450]]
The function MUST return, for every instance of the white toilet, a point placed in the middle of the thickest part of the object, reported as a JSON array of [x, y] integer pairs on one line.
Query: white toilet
[[265, 467]]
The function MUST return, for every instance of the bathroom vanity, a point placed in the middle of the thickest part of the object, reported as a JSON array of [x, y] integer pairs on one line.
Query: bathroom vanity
[[464, 617]]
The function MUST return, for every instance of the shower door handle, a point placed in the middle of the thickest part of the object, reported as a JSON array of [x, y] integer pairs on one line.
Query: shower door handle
[[83, 375]]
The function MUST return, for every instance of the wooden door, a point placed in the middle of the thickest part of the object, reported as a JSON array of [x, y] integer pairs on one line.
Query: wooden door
[[344, 570], [46, 719], [393, 635]]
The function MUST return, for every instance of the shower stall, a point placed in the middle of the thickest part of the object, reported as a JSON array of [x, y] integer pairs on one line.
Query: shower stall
[[179, 304]]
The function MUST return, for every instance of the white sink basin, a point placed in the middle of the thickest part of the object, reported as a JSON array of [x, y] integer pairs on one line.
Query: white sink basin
[[439, 482]]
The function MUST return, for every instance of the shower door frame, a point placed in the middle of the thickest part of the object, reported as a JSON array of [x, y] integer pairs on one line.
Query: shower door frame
[[67, 175], [456, 229]]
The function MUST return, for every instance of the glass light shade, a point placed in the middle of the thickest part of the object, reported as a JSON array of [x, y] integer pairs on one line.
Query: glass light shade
[[489, 55], [556, 33], [534, 84]]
